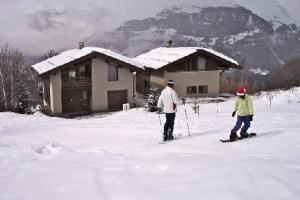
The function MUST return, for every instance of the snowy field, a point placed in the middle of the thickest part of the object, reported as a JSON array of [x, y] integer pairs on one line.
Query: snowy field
[[117, 156]]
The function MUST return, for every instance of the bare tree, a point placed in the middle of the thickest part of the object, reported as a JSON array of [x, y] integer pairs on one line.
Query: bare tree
[[16, 80], [49, 54]]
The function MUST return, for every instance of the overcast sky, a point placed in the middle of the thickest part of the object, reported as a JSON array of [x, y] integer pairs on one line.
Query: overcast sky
[[35, 26]]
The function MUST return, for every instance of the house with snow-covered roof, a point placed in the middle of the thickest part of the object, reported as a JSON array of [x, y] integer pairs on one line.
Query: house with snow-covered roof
[[196, 71], [87, 80]]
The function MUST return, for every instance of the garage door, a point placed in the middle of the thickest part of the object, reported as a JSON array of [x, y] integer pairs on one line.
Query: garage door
[[116, 99]]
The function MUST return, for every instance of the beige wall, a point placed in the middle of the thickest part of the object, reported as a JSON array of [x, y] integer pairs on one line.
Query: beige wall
[[186, 79], [100, 84], [55, 93]]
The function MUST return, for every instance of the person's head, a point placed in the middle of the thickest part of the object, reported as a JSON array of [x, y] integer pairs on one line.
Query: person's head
[[171, 83], [241, 92]]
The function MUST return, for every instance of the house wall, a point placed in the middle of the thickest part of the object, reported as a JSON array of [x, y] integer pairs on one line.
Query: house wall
[[199, 78], [55, 93], [100, 84], [183, 79]]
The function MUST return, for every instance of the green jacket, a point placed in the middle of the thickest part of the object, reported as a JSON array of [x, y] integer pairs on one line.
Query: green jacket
[[244, 106]]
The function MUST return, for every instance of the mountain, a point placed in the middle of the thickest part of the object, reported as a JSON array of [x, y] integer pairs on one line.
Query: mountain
[[258, 44]]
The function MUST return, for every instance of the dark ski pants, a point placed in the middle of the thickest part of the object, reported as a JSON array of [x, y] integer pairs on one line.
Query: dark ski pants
[[169, 125], [240, 121]]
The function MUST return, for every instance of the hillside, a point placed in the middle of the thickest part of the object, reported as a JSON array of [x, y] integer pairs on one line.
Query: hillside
[[258, 44], [117, 155]]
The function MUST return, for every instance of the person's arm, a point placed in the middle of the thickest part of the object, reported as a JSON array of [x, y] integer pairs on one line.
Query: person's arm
[[250, 106], [175, 98], [236, 105], [160, 102]]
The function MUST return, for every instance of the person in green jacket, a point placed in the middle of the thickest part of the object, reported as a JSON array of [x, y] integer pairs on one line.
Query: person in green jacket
[[244, 109]]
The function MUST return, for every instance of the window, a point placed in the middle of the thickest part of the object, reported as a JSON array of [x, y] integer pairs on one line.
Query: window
[[46, 90], [194, 64], [85, 71], [203, 89], [112, 72], [84, 95], [88, 70], [72, 74], [201, 64], [191, 90], [82, 71], [191, 65]]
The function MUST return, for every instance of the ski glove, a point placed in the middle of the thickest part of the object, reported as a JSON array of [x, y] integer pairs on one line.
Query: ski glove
[[251, 118], [233, 113], [183, 100], [159, 110]]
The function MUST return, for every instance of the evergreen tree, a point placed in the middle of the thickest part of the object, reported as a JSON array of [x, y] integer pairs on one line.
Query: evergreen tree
[[152, 99], [18, 83]]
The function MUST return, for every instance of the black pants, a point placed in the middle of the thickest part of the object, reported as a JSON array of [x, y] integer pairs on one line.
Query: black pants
[[169, 125]]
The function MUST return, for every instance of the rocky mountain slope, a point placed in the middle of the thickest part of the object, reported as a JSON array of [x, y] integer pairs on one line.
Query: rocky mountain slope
[[258, 44]]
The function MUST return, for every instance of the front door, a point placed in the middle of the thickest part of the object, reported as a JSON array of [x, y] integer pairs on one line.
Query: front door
[[75, 100]]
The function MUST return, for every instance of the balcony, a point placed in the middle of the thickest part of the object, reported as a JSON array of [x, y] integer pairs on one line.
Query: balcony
[[76, 82]]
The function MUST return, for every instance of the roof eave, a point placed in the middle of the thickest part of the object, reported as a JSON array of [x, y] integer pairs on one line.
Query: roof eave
[[90, 55]]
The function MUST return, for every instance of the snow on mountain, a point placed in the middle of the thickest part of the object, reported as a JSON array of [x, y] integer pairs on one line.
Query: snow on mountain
[[117, 155], [232, 39], [283, 10], [270, 10], [233, 30], [260, 71]]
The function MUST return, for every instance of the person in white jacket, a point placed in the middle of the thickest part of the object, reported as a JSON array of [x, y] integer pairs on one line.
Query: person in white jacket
[[168, 100]]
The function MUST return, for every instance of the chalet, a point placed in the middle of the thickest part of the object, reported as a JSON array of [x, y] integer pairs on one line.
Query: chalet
[[196, 71], [93, 79], [87, 80]]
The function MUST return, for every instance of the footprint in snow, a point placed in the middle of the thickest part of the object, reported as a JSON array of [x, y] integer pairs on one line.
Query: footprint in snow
[[48, 150]]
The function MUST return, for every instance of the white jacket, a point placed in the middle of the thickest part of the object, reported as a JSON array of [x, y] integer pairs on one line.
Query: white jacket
[[167, 98]]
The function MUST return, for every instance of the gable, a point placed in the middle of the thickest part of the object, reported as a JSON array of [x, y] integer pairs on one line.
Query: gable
[[164, 57], [75, 55]]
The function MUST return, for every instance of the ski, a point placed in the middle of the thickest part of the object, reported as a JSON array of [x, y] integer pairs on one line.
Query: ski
[[239, 138], [176, 137]]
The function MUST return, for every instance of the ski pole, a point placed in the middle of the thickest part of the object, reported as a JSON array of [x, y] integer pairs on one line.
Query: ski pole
[[160, 123], [186, 117]]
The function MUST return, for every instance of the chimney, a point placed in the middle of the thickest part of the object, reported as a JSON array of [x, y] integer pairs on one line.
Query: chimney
[[169, 43], [81, 45]]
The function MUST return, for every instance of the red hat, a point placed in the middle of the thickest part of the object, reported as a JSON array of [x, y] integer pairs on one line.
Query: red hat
[[240, 91]]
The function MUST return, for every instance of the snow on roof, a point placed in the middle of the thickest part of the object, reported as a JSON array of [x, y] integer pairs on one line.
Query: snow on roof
[[73, 54], [162, 56]]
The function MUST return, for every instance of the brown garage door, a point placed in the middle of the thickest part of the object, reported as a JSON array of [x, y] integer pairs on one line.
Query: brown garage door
[[116, 99]]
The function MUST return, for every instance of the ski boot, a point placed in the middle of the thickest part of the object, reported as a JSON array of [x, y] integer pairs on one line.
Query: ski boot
[[233, 136], [170, 134], [165, 137], [244, 134]]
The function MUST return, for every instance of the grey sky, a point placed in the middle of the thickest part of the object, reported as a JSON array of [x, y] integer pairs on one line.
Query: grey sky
[[35, 26]]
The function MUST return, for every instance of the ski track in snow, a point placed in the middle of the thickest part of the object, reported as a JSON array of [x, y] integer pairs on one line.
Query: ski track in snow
[[117, 156]]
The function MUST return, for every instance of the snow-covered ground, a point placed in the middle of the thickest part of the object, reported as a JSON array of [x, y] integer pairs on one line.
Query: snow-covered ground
[[117, 156]]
